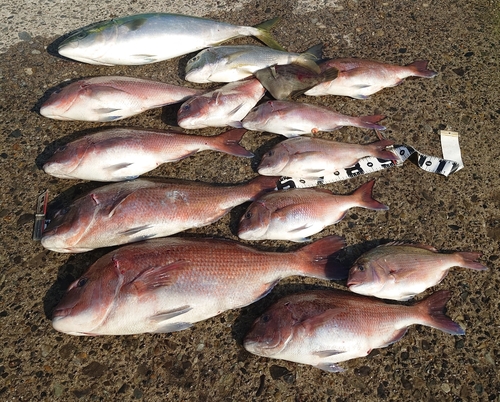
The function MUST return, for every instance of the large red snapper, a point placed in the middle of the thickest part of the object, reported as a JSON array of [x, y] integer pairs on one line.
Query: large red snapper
[[399, 271], [312, 158], [360, 78], [166, 285], [136, 210], [296, 118], [325, 327], [225, 106], [111, 98], [298, 213], [118, 154]]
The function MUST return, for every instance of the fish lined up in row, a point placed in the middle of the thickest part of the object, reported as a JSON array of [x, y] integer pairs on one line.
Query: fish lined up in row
[[325, 327], [140, 209], [166, 285]]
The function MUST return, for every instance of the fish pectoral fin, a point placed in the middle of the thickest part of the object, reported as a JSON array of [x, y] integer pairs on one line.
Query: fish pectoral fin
[[103, 110], [159, 276], [169, 314], [330, 367], [235, 110], [135, 230], [119, 166], [327, 353], [311, 324]]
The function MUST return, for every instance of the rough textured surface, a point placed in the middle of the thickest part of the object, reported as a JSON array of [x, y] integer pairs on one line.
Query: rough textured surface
[[207, 362]]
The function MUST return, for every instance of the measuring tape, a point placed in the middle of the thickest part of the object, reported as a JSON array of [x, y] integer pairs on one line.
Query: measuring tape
[[370, 164]]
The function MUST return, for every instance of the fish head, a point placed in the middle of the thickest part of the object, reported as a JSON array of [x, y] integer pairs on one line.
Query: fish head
[[66, 159], [193, 113], [66, 229], [201, 67], [255, 222], [63, 103], [274, 161], [90, 43], [364, 277], [89, 299], [272, 331]]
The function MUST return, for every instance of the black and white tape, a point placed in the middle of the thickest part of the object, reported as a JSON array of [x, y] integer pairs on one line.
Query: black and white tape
[[432, 164]]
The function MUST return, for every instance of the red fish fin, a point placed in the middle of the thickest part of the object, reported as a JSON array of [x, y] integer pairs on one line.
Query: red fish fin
[[396, 337], [370, 122], [379, 151], [432, 313], [469, 260], [228, 142], [419, 69], [364, 196], [330, 367], [159, 276], [312, 324], [261, 185], [319, 259]]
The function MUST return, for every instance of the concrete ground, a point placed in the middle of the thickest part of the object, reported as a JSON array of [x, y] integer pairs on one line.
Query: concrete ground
[[207, 362]]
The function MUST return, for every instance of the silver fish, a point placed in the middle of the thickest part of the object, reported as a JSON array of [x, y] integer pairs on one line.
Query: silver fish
[[149, 38], [233, 63]]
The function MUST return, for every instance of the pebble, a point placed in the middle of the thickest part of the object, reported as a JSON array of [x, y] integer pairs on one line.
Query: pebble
[[445, 387]]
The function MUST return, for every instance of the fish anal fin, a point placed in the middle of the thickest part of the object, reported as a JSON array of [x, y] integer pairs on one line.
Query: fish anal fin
[[172, 327], [395, 337], [330, 367]]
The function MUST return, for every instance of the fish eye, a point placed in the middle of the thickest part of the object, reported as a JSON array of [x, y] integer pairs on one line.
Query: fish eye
[[62, 148], [186, 107], [361, 268], [265, 318], [81, 283], [270, 153], [81, 35], [248, 215]]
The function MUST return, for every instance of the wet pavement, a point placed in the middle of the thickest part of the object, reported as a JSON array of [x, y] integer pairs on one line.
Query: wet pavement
[[207, 362]]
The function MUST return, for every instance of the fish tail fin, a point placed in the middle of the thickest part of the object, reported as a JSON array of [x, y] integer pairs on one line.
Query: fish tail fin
[[319, 261], [330, 74], [309, 58], [432, 311], [379, 151], [228, 142], [265, 36], [363, 195], [370, 122], [468, 260], [419, 69], [261, 185]]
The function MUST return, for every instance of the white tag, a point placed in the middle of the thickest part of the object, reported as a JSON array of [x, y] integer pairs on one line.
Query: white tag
[[450, 147]]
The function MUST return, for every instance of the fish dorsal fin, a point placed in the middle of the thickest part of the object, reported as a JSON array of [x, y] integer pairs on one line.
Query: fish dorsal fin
[[417, 245], [159, 276]]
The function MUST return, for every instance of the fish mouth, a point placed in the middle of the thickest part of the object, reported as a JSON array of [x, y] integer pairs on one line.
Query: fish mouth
[[352, 283]]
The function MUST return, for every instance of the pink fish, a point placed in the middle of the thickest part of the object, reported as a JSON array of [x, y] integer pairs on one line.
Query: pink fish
[[225, 106], [124, 153], [359, 78], [325, 327], [295, 118], [111, 98], [399, 271], [312, 158], [135, 210], [298, 213], [166, 285]]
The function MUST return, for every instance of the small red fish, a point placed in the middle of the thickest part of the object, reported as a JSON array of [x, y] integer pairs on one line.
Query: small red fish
[[119, 154], [298, 213], [360, 78], [325, 327], [399, 271]]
